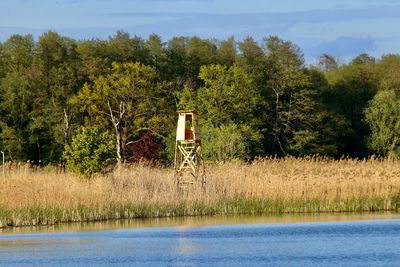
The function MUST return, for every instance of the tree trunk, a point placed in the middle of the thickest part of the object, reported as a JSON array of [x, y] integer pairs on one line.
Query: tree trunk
[[117, 123], [66, 128], [119, 144]]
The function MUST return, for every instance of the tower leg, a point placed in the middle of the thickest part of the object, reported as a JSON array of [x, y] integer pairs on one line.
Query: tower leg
[[189, 165]]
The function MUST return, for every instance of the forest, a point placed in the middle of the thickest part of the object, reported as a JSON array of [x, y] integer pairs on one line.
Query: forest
[[254, 99]]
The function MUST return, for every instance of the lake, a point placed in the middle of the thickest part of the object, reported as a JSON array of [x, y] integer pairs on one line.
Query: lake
[[287, 240]]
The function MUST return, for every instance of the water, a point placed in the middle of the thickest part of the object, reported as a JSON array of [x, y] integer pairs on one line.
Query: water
[[300, 240]]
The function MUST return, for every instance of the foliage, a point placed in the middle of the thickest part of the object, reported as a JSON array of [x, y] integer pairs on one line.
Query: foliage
[[223, 143], [352, 87], [124, 100], [91, 151], [383, 116], [228, 95], [132, 86]]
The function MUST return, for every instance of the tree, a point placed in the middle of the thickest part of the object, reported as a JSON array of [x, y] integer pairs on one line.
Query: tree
[[228, 95], [227, 101], [122, 48], [223, 143], [16, 96], [17, 52], [285, 72], [53, 79], [157, 54], [363, 59], [388, 72], [252, 59], [227, 52], [351, 88], [383, 116], [93, 59], [199, 53], [327, 63], [15, 110], [90, 152], [316, 129], [128, 99]]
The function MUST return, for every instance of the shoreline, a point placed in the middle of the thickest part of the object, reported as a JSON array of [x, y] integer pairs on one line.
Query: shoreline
[[46, 216], [267, 186]]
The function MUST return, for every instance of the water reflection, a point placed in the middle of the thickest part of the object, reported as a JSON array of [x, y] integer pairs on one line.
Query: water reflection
[[182, 223], [285, 240]]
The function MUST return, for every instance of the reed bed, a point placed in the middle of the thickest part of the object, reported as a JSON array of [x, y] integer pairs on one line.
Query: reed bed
[[313, 184]]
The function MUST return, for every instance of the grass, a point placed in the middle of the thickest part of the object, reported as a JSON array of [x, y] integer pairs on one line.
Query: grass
[[139, 191]]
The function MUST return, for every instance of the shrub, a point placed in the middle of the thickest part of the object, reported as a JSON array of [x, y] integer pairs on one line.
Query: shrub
[[90, 152], [223, 143], [383, 116]]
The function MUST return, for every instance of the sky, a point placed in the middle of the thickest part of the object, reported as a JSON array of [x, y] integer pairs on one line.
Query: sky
[[341, 28]]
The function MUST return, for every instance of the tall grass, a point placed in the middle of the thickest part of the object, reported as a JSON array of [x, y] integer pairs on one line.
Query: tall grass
[[265, 186]]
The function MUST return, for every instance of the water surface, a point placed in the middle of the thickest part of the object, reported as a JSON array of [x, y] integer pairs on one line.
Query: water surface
[[291, 240]]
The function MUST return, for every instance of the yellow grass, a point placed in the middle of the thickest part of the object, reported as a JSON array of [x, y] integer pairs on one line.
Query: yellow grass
[[268, 185]]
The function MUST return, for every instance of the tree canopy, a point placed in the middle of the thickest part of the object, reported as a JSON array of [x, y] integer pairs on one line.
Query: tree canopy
[[260, 97]]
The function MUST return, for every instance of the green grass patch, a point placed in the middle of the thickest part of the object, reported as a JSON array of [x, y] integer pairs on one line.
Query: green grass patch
[[83, 213]]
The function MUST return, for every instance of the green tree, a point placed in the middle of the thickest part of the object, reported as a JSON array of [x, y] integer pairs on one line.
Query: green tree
[[17, 52], [129, 99], [327, 63], [91, 151], [93, 59], [363, 59], [227, 52], [286, 80], [316, 129], [16, 97], [383, 116], [15, 109], [351, 88], [199, 53], [388, 71], [229, 97], [53, 78], [223, 143], [252, 59], [122, 48], [157, 54]]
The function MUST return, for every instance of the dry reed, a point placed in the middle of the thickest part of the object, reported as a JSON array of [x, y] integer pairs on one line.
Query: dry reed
[[267, 185]]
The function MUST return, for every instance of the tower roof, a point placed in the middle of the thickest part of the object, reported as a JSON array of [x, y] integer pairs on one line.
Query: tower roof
[[180, 111]]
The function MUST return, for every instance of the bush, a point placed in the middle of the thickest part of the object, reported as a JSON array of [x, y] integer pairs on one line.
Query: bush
[[90, 152], [383, 116], [223, 143]]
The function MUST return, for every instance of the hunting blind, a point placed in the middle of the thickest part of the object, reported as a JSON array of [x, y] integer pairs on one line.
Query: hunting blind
[[189, 166]]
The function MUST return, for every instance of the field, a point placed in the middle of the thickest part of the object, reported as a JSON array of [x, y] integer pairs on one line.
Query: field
[[43, 196]]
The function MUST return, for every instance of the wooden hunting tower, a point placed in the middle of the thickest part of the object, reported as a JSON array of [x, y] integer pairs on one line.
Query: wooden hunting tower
[[189, 166]]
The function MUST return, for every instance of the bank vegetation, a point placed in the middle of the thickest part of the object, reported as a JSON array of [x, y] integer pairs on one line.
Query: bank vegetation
[[265, 186]]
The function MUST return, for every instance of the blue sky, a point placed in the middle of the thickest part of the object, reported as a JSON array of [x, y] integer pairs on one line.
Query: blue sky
[[342, 28]]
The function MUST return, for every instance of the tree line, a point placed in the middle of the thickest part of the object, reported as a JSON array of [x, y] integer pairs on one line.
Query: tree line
[[253, 98]]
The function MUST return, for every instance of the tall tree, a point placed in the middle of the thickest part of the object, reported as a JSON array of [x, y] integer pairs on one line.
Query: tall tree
[[123, 48], [327, 63], [285, 72], [53, 78], [228, 101], [157, 54], [352, 87], [227, 52], [316, 128], [125, 99], [16, 97], [389, 72]]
